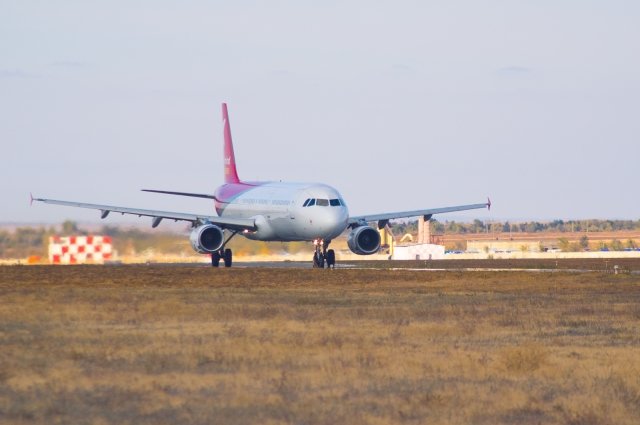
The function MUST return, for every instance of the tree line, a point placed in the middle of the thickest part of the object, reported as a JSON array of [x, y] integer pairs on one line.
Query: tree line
[[555, 226], [29, 240]]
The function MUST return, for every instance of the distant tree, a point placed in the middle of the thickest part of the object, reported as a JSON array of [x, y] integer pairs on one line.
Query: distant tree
[[23, 241], [452, 227], [534, 226], [69, 228], [4, 242], [399, 228], [28, 236], [564, 245], [584, 242], [437, 226], [556, 225], [616, 245], [477, 226], [631, 244]]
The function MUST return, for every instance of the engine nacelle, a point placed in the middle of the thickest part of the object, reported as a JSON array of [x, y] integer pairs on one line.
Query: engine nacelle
[[364, 240], [207, 238]]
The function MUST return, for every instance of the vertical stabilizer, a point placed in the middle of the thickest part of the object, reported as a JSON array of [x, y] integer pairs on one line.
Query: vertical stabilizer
[[230, 171]]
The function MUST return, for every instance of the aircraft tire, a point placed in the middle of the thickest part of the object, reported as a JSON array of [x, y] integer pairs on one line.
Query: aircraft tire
[[215, 259], [318, 261], [228, 257], [331, 258]]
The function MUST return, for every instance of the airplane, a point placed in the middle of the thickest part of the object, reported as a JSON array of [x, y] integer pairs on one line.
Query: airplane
[[271, 211]]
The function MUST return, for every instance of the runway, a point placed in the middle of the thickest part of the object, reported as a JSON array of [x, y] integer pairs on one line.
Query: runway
[[621, 266]]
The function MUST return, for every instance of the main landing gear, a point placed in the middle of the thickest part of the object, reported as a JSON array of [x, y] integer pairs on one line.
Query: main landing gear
[[223, 254], [323, 255]]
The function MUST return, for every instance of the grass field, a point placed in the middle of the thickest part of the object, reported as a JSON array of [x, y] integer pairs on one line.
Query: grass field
[[167, 345]]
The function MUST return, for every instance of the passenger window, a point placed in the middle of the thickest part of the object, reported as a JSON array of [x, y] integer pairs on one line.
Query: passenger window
[[322, 202], [334, 202], [311, 203]]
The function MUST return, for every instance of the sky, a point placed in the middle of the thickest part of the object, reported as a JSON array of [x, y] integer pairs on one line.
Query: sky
[[400, 105]]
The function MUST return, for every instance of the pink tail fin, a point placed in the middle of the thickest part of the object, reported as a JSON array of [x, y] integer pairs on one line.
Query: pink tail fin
[[230, 171]]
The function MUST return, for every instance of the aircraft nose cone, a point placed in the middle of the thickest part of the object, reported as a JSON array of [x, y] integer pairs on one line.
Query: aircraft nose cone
[[332, 224]]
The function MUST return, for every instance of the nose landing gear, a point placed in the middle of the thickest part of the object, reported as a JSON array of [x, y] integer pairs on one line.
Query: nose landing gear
[[323, 255]]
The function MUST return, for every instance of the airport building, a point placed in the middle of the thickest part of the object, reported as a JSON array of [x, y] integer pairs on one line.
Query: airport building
[[423, 249]]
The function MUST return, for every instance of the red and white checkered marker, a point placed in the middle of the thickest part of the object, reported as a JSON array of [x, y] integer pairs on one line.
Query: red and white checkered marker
[[79, 249]]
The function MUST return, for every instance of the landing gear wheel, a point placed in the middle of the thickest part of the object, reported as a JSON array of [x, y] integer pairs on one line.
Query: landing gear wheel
[[318, 261], [215, 259], [228, 257], [330, 257]]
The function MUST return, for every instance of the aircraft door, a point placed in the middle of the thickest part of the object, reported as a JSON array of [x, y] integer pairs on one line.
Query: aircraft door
[[296, 214]]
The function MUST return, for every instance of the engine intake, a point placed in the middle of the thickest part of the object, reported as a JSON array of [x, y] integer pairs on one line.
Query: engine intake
[[364, 240], [207, 238]]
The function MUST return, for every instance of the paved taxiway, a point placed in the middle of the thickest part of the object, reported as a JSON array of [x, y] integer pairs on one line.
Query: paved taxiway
[[568, 266]]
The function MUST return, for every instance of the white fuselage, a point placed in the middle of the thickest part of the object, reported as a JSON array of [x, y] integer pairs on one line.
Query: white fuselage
[[285, 212]]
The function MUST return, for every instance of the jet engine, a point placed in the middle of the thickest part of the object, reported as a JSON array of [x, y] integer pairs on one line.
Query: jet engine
[[364, 240], [207, 238]]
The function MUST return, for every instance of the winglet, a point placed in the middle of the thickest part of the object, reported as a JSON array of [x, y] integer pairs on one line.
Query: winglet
[[30, 199], [489, 204], [230, 171]]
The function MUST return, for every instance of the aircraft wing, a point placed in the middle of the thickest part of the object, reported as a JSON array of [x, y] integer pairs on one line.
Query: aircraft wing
[[404, 214], [224, 222]]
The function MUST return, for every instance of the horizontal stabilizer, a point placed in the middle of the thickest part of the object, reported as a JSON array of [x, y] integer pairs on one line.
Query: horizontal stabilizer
[[193, 195]]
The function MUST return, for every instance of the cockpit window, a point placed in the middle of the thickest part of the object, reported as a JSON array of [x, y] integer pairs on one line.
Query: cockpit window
[[323, 202]]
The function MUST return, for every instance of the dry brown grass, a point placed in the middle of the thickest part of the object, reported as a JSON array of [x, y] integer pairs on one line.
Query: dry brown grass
[[170, 345]]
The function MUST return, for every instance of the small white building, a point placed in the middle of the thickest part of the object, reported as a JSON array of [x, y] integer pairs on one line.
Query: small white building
[[423, 251]]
